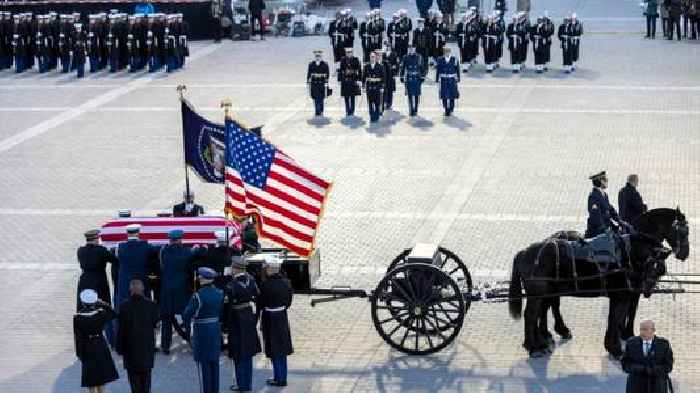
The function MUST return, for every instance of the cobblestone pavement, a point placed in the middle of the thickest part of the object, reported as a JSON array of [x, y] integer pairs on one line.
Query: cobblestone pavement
[[508, 169]]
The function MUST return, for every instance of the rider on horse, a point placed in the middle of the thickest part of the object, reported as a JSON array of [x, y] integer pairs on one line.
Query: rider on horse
[[601, 213]]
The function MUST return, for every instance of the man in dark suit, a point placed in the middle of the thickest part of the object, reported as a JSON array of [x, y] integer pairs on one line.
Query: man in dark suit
[[601, 213], [136, 340], [188, 208], [630, 201], [648, 359]]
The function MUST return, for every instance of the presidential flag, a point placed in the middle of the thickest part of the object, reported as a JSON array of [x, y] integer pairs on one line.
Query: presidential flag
[[263, 181]]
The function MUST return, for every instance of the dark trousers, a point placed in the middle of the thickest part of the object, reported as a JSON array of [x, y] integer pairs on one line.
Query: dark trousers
[[318, 105], [664, 26], [140, 381], [694, 29], [388, 98], [80, 67], [257, 18], [244, 373], [210, 376], [651, 26], [375, 106], [279, 368], [449, 105], [674, 22], [65, 64], [413, 105], [423, 12], [166, 333], [349, 105], [217, 29]]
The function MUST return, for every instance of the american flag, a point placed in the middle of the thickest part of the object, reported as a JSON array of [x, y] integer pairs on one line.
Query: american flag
[[263, 181], [197, 230]]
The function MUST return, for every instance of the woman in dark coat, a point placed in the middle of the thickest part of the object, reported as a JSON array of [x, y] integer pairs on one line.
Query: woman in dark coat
[[90, 346], [93, 259], [275, 298]]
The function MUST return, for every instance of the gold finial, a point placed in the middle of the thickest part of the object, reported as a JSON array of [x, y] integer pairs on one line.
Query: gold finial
[[181, 89], [226, 104]]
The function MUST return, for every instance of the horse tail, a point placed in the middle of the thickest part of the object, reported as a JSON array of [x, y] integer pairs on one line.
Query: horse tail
[[515, 289]]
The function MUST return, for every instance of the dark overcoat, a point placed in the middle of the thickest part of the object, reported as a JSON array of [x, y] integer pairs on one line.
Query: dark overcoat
[[91, 348], [275, 298], [93, 260], [136, 338], [243, 340], [647, 373], [630, 203]]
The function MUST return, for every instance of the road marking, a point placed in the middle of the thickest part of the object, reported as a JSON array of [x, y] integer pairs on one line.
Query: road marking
[[72, 113]]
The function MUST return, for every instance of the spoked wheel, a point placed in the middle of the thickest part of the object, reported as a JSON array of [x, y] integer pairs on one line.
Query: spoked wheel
[[418, 309], [451, 264]]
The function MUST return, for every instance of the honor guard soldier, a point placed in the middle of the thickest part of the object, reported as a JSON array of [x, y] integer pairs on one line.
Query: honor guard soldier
[[347, 28], [183, 32], [18, 44], [79, 50], [447, 75], [575, 32], [188, 208], [364, 38], [132, 45], [490, 43], [54, 29], [500, 22], [275, 299], [514, 43], [243, 341], [103, 29], [152, 44], [203, 312], [539, 44], [98, 367], [113, 43], [93, 259], [337, 37], [373, 81], [136, 260], [42, 45], [391, 30], [447, 8], [563, 35], [524, 27], [317, 75], [350, 78], [412, 75], [548, 32], [390, 62], [176, 263], [5, 40], [421, 42], [601, 213], [218, 257], [93, 44], [375, 30], [403, 32], [172, 55], [439, 35]]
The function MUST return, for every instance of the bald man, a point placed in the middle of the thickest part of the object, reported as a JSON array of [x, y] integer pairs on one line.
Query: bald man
[[648, 359]]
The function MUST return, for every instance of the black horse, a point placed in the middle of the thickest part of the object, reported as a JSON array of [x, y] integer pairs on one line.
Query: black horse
[[546, 271]]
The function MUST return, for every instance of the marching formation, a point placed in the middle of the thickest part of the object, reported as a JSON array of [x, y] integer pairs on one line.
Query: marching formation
[[398, 49], [114, 41]]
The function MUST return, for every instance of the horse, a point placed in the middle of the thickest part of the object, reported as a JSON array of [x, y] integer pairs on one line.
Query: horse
[[546, 271]]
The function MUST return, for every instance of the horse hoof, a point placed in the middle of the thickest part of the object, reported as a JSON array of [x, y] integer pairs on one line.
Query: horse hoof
[[537, 354]]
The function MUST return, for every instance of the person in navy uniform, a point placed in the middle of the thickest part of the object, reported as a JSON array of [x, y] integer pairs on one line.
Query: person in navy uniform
[[176, 263], [447, 75], [601, 213], [243, 341], [203, 312], [350, 77], [79, 50], [412, 76], [275, 298], [439, 31], [373, 81], [403, 30], [390, 62], [575, 33], [563, 35], [648, 359], [421, 41], [363, 33], [136, 342], [630, 201], [90, 346], [188, 208], [218, 257], [93, 259], [317, 75], [538, 36], [136, 260]]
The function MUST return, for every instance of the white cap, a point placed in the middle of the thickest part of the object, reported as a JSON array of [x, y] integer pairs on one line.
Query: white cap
[[133, 228], [88, 296]]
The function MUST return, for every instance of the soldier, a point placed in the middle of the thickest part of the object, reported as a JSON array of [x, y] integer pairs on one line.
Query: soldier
[[159, 36], [501, 24], [152, 45], [575, 33], [391, 30], [447, 75], [412, 75], [350, 77], [500, 6], [364, 38], [98, 367], [217, 12], [131, 45], [136, 260], [183, 32], [30, 39], [188, 208], [336, 36], [440, 31], [547, 33], [93, 44], [539, 45], [176, 263], [55, 29], [218, 257], [601, 213], [42, 50], [490, 43], [5, 43], [421, 42], [203, 311], [79, 50], [317, 75], [18, 47], [473, 35], [390, 62], [447, 8], [524, 28], [403, 31], [563, 34], [373, 81], [171, 50], [514, 43], [113, 44], [347, 28], [375, 31], [275, 298], [243, 341]]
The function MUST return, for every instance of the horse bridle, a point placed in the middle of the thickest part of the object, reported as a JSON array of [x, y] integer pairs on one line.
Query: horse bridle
[[680, 229]]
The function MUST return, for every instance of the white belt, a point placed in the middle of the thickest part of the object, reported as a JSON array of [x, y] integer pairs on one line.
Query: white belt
[[203, 321], [275, 309], [448, 76]]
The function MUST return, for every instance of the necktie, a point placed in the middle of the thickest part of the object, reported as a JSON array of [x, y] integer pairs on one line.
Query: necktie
[[646, 348]]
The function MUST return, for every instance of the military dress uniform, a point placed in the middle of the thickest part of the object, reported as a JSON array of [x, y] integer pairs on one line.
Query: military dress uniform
[[439, 39], [547, 32], [538, 36], [447, 75], [402, 32], [490, 41], [203, 312], [136, 259], [421, 41], [390, 63], [373, 80], [575, 31], [275, 298], [337, 39], [563, 33], [364, 41], [350, 77], [183, 210], [317, 75], [348, 25], [243, 340], [600, 212], [412, 75], [79, 51]]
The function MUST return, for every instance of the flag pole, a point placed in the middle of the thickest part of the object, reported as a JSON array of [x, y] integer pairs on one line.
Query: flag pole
[[181, 89], [226, 105]]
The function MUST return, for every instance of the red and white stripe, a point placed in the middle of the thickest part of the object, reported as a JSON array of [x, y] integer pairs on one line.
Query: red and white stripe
[[196, 230], [289, 207]]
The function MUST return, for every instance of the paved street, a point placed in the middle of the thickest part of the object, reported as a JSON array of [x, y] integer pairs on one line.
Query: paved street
[[510, 168]]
